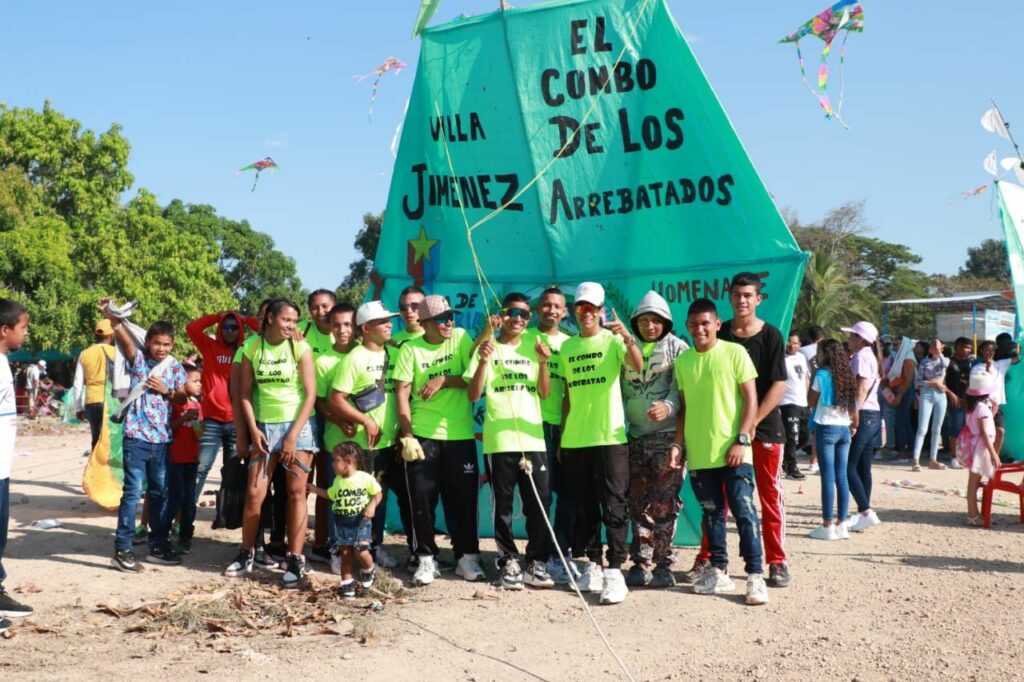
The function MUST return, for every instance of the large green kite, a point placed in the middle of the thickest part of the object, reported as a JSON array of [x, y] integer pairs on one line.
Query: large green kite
[[569, 141]]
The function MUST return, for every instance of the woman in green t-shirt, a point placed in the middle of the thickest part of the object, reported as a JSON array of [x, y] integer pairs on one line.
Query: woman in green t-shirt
[[277, 391]]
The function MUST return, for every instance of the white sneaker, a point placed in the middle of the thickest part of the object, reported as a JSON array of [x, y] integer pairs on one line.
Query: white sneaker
[[510, 576], [426, 571], [384, 558], [823, 532], [955, 464], [591, 577], [866, 521], [713, 581], [537, 575], [814, 469], [615, 589], [757, 591], [842, 533], [469, 568]]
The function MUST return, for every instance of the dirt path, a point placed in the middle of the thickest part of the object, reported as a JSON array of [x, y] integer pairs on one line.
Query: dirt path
[[920, 597]]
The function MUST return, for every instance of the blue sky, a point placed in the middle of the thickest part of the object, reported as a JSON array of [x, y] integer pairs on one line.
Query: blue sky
[[202, 89]]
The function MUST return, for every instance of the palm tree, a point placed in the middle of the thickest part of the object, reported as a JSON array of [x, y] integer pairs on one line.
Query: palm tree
[[825, 297]]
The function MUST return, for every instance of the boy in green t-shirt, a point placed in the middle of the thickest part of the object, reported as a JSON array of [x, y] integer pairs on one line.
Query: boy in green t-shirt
[[354, 496], [362, 392], [435, 421], [513, 373], [594, 451], [409, 305], [718, 407]]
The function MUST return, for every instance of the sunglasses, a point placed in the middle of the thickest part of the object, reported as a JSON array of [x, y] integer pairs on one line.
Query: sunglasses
[[586, 308], [230, 327], [516, 313], [409, 307], [444, 318]]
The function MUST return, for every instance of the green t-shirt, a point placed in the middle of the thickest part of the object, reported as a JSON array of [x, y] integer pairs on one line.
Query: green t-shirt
[[592, 368], [361, 370], [241, 350], [710, 383], [398, 338], [551, 407], [278, 393], [512, 418], [350, 496], [325, 366], [448, 414], [319, 342]]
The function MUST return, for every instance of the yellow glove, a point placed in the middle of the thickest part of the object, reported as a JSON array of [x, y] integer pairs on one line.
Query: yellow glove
[[411, 449]]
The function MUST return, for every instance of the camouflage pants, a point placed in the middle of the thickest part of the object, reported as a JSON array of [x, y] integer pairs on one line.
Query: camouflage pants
[[653, 501]]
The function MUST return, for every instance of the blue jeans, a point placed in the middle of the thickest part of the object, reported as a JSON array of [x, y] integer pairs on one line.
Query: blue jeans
[[712, 487], [5, 515], [904, 424], [858, 469], [143, 462], [181, 494], [889, 417], [833, 455], [215, 436], [931, 405]]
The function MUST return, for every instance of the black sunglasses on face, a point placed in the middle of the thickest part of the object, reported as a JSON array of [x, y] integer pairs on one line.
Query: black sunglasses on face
[[409, 307], [514, 313], [444, 318]]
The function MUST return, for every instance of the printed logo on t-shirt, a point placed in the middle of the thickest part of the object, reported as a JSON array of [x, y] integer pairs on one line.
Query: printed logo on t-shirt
[[582, 373]]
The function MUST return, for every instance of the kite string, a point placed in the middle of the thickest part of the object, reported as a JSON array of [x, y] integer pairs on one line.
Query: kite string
[[485, 286], [631, 25]]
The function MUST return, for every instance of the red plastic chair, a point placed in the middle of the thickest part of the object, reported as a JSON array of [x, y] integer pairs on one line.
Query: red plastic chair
[[997, 483]]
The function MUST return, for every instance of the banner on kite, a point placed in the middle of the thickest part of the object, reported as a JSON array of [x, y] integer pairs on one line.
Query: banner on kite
[[572, 141]]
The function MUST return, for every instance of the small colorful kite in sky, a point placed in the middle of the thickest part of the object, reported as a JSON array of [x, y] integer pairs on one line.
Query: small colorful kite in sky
[[259, 166], [389, 64], [845, 15]]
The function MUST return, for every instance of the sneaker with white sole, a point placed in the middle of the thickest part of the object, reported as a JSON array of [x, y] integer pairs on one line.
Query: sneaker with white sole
[[615, 590], [367, 576], [713, 581], [866, 521], [557, 572], [9, 608], [426, 571], [295, 572], [384, 558], [242, 565], [510, 575], [814, 469], [591, 577], [469, 568], [757, 591], [955, 464], [124, 560], [537, 575], [842, 532], [700, 566], [823, 532], [263, 560]]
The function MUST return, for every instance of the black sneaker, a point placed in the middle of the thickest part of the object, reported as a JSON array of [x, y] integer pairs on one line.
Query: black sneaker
[[368, 576], [639, 576], [662, 578], [320, 554], [263, 560], [11, 608], [277, 550], [124, 560], [347, 590], [795, 474], [183, 546], [242, 565], [163, 555], [5, 625], [778, 575], [295, 572]]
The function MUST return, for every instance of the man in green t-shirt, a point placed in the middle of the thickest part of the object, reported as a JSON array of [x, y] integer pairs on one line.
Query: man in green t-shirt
[[408, 306], [362, 392], [593, 450], [718, 408], [512, 371], [550, 312], [329, 425], [435, 422]]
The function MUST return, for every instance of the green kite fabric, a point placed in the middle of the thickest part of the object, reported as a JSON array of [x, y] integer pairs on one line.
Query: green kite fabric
[[1011, 210], [576, 140]]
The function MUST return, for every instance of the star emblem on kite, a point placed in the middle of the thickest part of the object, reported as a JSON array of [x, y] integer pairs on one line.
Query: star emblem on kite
[[422, 245]]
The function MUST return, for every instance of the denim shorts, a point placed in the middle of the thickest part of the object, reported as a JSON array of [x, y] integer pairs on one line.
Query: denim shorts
[[276, 431], [352, 531]]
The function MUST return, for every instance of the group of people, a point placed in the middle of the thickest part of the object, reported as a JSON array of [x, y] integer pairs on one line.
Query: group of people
[[858, 399]]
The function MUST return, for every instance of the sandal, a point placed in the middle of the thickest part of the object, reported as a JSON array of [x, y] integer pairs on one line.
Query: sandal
[[935, 464], [915, 467], [975, 521]]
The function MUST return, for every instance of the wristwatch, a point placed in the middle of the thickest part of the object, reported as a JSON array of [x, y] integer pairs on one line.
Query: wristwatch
[[743, 439]]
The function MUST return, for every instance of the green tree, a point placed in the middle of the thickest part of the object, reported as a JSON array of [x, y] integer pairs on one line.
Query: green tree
[[356, 284], [988, 260], [251, 267], [826, 296]]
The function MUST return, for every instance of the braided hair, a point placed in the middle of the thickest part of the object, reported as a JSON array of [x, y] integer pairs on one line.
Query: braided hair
[[832, 356]]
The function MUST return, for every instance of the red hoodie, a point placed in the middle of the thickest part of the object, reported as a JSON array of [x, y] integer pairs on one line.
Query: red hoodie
[[217, 357]]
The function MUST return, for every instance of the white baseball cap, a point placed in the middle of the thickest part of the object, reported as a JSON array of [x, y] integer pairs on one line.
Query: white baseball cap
[[864, 330], [590, 292], [371, 311]]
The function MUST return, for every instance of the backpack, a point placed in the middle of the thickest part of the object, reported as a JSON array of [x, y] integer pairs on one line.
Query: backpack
[[967, 444]]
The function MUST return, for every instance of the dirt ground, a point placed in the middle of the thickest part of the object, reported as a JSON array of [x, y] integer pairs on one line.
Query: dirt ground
[[920, 597]]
